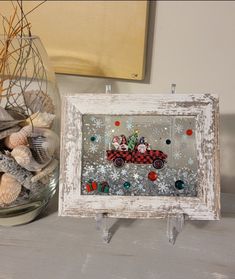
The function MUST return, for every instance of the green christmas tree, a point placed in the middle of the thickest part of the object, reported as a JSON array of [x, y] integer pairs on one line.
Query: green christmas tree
[[132, 141]]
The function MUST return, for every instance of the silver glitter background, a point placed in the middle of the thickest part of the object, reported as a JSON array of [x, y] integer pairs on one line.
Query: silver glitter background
[[181, 161]]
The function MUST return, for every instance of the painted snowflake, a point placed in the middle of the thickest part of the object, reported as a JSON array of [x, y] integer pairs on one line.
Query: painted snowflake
[[115, 175], [102, 169], [177, 155], [98, 123], [89, 168], [93, 148], [178, 128], [136, 176], [163, 187], [129, 125]]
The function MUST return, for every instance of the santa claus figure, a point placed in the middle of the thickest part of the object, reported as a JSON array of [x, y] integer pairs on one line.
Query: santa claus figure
[[123, 145]]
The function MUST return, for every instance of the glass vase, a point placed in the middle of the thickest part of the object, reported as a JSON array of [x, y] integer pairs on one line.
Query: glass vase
[[29, 130]]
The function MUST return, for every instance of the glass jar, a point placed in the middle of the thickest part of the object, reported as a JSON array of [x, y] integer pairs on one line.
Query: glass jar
[[29, 130]]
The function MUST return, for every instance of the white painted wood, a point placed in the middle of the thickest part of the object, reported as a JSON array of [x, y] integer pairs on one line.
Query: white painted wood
[[204, 107]]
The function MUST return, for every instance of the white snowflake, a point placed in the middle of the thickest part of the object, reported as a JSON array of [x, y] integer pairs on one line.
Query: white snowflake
[[115, 175], [177, 155], [98, 123], [93, 148], [129, 125], [102, 169], [124, 172], [136, 176], [178, 128], [89, 168], [190, 161], [162, 187]]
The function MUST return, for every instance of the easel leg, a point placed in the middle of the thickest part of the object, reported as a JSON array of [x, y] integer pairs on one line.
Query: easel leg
[[175, 225], [102, 225]]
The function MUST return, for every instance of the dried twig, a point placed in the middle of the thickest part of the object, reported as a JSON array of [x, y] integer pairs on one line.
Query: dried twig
[[17, 51]]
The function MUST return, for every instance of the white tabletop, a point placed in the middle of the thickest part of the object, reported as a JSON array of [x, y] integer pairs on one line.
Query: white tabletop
[[59, 247]]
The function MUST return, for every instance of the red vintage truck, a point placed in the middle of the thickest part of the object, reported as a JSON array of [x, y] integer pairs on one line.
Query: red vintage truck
[[155, 157]]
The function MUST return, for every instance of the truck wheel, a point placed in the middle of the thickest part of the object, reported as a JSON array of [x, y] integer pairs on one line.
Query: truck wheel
[[118, 162], [158, 164]]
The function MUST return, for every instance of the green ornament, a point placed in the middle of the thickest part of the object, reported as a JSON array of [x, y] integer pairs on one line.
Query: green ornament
[[179, 184], [127, 185], [93, 138]]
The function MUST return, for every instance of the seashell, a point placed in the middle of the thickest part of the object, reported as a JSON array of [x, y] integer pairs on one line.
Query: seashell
[[37, 100], [44, 144], [10, 189], [48, 169], [7, 132], [18, 138], [23, 156], [40, 119], [23, 176]]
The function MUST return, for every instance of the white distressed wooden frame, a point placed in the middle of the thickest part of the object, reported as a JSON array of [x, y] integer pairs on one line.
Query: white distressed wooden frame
[[206, 206]]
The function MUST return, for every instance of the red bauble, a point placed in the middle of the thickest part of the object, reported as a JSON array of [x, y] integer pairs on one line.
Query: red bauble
[[117, 123], [152, 175], [189, 132]]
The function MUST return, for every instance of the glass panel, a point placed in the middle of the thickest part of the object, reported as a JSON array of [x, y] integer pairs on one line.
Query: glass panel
[[141, 155]]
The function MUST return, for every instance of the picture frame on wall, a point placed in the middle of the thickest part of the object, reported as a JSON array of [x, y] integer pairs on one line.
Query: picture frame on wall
[[140, 156]]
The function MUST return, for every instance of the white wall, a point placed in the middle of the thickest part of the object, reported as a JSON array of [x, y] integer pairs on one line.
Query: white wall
[[191, 44]]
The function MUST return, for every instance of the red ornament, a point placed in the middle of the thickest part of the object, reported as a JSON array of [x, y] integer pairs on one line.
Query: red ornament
[[189, 132], [117, 123], [152, 175]]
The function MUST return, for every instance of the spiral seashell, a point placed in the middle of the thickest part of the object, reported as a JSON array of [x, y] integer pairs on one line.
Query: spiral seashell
[[40, 119], [23, 156], [44, 144], [18, 138], [10, 189]]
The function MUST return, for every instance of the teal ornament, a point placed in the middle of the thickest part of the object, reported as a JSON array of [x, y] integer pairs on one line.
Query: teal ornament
[[127, 185], [93, 138], [179, 184]]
